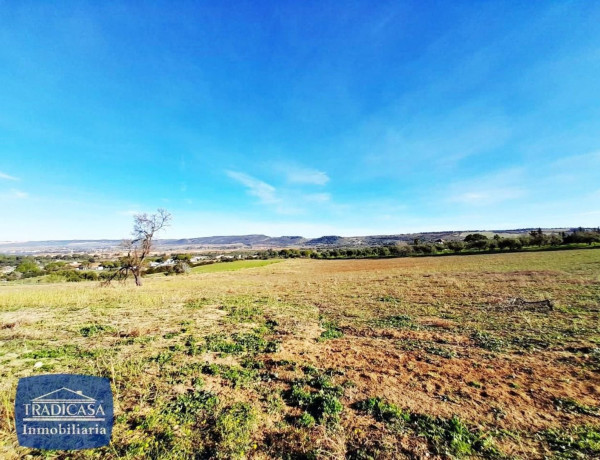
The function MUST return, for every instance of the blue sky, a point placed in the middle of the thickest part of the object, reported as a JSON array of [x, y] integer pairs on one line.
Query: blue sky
[[298, 118]]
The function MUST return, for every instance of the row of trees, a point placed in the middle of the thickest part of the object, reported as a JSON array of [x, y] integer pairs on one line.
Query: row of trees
[[31, 268], [138, 250], [475, 242]]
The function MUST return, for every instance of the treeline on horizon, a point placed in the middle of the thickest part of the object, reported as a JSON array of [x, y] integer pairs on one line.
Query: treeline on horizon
[[57, 269], [471, 244]]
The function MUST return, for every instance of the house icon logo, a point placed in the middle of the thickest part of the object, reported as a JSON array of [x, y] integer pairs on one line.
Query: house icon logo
[[64, 405], [64, 411]]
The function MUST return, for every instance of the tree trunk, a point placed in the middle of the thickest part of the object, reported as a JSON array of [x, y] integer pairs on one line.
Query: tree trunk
[[138, 278]]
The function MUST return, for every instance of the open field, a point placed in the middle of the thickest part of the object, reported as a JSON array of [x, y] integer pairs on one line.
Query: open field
[[231, 266], [395, 358]]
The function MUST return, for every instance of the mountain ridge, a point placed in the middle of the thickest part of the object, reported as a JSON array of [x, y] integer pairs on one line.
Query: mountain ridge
[[246, 242]]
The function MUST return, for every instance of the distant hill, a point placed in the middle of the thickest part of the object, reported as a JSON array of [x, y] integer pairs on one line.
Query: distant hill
[[245, 242]]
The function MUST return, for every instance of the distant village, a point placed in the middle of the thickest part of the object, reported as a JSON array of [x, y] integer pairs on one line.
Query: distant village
[[100, 264], [79, 267]]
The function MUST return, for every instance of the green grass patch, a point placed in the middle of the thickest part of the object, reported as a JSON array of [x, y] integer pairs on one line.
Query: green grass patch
[[239, 377], [187, 407], [396, 322], [580, 442], [382, 410], [96, 329], [441, 351], [234, 344], [234, 428], [389, 299], [232, 266], [487, 341], [197, 303], [318, 396], [223, 344], [575, 407], [453, 437], [332, 331], [530, 343], [64, 351], [163, 357], [243, 313], [306, 420], [447, 437]]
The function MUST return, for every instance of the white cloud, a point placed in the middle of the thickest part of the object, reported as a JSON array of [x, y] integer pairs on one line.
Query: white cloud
[[14, 194], [306, 176], [487, 196], [282, 200], [576, 162], [318, 197], [19, 194], [489, 189], [263, 191], [7, 176]]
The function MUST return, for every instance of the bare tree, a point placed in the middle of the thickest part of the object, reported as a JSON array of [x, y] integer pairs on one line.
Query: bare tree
[[138, 248]]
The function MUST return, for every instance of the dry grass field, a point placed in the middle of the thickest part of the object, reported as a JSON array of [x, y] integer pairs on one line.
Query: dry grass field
[[399, 358]]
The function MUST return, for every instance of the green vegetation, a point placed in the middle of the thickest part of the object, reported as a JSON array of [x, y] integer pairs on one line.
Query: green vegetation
[[95, 329], [332, 331], [231, 266], [239, 343], [573, 406], [396, 321], [322, 405], [187, 407], [472, 244], [57, 269], [239, 377], [579, 442], [63, 351], [487, 341], [318, 396], [234, 427], [383, 410], [446, 436], [280, 361]]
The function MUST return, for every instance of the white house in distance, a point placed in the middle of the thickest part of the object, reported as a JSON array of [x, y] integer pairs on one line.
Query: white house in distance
[[166, 263]]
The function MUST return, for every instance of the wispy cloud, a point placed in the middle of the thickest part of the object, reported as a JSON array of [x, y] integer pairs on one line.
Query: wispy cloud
[[284, 200], [7, 176], [317, 197], [19, 194], [488, 196], [488, 189], [14, 194], [586, 160], [307, 176], [263, 191]]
